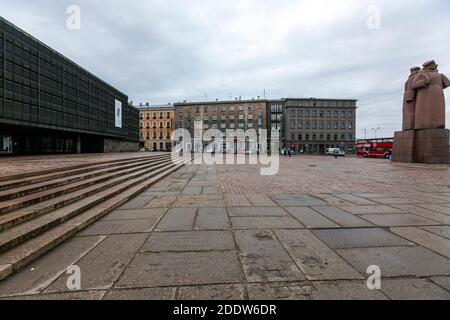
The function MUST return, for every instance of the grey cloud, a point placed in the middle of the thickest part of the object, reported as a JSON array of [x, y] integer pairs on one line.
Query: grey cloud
[[166, 51]]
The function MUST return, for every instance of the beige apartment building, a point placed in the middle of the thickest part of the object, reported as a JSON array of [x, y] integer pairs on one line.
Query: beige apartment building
[[156, 127]]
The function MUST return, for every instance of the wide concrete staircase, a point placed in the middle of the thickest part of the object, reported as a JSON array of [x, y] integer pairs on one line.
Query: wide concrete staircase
[[39, 211]]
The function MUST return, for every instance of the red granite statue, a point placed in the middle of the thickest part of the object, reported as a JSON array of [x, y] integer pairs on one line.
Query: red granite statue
[[424, 138], [409, 102], [430, 100]]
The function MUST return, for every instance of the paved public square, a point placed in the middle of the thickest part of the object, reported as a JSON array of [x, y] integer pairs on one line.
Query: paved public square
[[226, 232]]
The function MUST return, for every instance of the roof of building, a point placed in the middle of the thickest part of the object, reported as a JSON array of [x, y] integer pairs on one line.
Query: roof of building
[[155, 107]]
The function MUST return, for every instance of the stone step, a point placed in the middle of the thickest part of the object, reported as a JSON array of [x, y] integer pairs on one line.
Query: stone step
[[25, 201], [21, 255], [25, 231], [42, 176], [14, 218], [13, 193]]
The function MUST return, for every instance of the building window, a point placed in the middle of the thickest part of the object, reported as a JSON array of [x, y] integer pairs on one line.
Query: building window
[[307, 137], [314, 137], [232, 108], [328, 138], [307, 125], [300, 137], [292, 124], [350, 114], [328, 114], [168, 125], [292, 113], [343, 126], [321, 114], [299, 125], [300, 113], [336, 125], [315, 114], [292, 138], [307, 113], [350, 125], [328, 125], [321, 137], [314, 125]]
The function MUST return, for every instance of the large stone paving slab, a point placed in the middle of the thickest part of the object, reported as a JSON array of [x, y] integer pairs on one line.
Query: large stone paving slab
[[444, 282], [437, 208], [343, 218], [426, 239], [212, 219], [360, 238], [181, 269], [136, 214], [310, 218], [425, 213], [257, 212], [200, 201], [298, 201], [240, 223], [177, 219], [41, 273], [102, 266], [398, 220], [264, 258], [137, 203], [443, 231], [215, 292], [355, 199], [371, 209], [414, 289], [141, 294], [398, 261], [120, 227], [317, 290], [189, 241], [315, 259]]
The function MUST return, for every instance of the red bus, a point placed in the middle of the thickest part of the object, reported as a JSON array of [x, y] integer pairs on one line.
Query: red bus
[[375, 148]]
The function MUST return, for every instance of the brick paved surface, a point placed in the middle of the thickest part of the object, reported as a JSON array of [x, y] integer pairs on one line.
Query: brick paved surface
[[225, 232]]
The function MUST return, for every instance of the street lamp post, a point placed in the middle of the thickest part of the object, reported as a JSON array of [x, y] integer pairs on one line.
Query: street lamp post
[[365, 134], [376, 131]]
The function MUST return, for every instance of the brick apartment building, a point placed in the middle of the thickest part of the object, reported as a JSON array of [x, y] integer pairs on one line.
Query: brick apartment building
[[156, 127]]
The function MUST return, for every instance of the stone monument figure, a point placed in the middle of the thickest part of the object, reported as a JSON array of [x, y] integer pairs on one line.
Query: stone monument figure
[[430, 99], [424, 138], [409, 101]]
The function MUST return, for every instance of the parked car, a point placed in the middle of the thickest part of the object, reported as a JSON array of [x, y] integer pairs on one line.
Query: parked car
[[334, 151]]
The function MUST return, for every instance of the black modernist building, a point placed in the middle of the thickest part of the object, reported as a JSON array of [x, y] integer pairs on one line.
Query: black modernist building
[[49, 104]]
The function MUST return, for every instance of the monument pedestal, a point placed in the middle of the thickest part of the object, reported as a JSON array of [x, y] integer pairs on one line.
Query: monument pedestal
[[422, 146]]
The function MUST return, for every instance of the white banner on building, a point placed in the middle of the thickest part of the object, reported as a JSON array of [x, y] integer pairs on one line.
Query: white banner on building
[[118, 114]]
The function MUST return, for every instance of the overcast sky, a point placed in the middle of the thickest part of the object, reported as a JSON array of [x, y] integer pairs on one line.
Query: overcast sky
[[162, 51]]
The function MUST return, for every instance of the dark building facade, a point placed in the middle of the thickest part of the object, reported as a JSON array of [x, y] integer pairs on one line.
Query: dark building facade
[[49, 104], [314, 125]]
